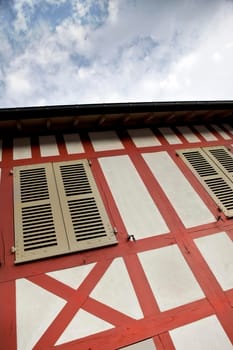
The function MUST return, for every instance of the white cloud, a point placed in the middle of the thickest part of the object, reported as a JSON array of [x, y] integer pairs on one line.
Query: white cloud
[[72, 36], [18, 83], [22, 9], [217, 57], [133, 51], [113, 11]]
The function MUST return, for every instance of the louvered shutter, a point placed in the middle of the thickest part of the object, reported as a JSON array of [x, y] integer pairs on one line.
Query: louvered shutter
[[210, 175], [222, 157], [39, 227], [86, 220]]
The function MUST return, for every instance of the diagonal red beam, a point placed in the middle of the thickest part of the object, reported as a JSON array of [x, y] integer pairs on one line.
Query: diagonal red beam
[[57, 327], [106, 313], [142, 329], [54, 286]]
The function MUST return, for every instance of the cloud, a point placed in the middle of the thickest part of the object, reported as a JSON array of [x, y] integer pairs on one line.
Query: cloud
[[65, 52]]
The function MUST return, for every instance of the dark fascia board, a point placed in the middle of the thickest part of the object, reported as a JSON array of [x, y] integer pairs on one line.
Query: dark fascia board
[[69, 118], [111, 108]]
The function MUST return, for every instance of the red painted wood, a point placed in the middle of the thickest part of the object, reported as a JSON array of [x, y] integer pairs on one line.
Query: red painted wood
[[159, 197], [226, 131], [106, 313], [180, 137], [207, 281], [72, 306], [195, 183], [53, 286], [217, 134], [127, 331], [61, 146], [229, 295], [6, 215], [158, 343], [141, 286], [166, 341], [7, 316], [109, 203], [183, 139], [142, 329]]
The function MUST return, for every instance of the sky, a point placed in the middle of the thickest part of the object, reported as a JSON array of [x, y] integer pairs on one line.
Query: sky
[[56, 52]]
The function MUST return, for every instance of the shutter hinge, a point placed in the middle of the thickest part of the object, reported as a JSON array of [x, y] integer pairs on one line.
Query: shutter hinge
[[89, 162], [220, 216], [115, 230], [11, 172], [13, 250]]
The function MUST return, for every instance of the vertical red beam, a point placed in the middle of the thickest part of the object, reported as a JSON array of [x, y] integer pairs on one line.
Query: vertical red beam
[[186, 245], [8, 338]]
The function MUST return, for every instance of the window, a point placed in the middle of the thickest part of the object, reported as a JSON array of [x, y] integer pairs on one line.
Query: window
[[213, 166], [58, 210]]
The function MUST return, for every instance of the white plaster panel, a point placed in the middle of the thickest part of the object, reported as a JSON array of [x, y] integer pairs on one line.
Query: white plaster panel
[[73, 143], [140, 215], [0, 150], [82, 325], [74, 276], [170, 136], [185, 200], [147, 344], [48, 146], [221, 132], [105, 140], [143, 137], [188, 134], [36, 308], [115, 290], [205, 334], [217, 250], [208, 136], [171, 280], [228, 127], [22, 148]]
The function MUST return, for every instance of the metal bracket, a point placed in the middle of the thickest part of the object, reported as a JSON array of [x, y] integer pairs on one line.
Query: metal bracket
[[131, 238]]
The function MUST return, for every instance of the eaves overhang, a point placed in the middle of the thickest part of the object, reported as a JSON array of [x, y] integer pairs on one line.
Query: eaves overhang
[[64, 118]]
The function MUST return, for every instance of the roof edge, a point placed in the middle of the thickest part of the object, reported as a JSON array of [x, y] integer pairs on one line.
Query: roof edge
[[17, 113]]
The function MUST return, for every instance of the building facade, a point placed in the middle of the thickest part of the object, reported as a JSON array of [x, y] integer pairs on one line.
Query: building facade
[[157, 272]]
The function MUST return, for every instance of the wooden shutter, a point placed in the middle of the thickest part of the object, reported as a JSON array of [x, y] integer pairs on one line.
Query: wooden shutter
[[222, 158], [39, 227], [217, 184], [86, 221]]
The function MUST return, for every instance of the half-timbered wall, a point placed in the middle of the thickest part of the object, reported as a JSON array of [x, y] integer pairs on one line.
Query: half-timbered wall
[[168, 284]]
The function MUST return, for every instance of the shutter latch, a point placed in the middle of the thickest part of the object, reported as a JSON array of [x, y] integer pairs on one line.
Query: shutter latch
[[131, 238]]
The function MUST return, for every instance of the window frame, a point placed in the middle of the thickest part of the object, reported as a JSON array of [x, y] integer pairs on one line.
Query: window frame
[[53, 192], [210, 165]]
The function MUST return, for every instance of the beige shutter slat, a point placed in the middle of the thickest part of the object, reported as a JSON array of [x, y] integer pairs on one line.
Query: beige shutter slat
[[212, 178], [87, 223], [39, 227], [222, 158]]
